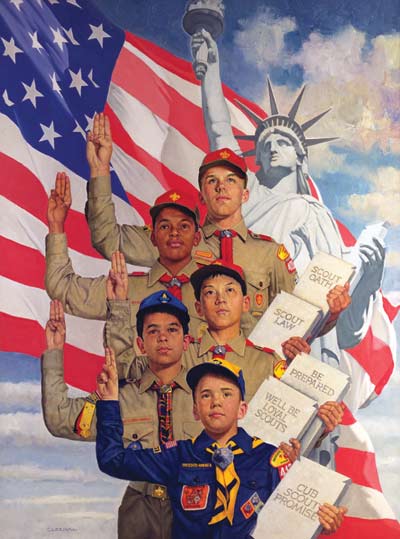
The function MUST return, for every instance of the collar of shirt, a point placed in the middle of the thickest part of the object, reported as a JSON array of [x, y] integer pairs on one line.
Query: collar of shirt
[[238, 344], [209, 228], [149, 377], [158, 270], [242, 439]]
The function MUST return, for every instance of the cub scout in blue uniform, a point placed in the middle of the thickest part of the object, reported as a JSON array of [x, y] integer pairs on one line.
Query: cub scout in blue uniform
[[217, 482]]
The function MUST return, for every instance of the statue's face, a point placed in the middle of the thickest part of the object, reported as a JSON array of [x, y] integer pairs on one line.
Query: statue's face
[[277, 151]]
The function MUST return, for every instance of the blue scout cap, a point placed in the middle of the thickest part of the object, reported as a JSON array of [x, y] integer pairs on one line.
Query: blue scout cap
[[162, 302], [217, 366]]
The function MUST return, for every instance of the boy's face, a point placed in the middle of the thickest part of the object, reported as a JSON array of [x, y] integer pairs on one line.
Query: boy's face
[[218, 405], [174, 235], [223, 192], [222, 302], [163, 340]]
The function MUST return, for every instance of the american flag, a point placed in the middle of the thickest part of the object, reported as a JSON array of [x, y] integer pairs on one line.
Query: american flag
[[61, 61]]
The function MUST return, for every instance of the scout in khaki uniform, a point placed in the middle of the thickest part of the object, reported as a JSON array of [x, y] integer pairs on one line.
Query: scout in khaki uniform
[[156, 409], [267, 265], [175, 231], [219, 481], [221, 298]]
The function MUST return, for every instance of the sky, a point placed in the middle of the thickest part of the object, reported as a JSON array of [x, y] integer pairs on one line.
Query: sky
[[341, 50]]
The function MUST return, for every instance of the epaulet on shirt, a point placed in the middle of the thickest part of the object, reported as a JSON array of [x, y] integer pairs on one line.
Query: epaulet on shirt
[[260, 236], [262, 348]]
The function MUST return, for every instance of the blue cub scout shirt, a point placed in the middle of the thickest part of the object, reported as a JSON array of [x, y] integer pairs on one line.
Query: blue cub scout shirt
[[187, 470]]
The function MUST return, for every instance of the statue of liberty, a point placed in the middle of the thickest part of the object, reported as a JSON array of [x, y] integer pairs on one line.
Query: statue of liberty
[[281, 205]]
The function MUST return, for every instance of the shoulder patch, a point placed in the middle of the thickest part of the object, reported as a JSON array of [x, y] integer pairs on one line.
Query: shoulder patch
[[282, 253], [260, 236], [278, 459], [280, 368]]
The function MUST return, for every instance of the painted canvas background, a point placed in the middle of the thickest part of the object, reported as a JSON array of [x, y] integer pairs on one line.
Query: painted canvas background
[[52, 487]]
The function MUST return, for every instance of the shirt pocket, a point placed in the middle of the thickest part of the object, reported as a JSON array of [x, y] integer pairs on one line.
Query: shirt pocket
[[258, 291], [139, 432], [197, 488], [255, 488]]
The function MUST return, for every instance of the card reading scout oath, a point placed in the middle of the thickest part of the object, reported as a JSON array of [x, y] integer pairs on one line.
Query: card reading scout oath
[[322, 274]]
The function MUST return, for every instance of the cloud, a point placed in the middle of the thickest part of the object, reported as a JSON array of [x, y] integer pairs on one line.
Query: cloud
[[23, 429], [389, 428], [261, 38], [383, 202], [347, 71], [37, 473], [24, 395]]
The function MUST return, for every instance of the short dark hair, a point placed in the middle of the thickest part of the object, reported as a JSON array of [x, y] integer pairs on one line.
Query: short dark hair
[[180, 315]]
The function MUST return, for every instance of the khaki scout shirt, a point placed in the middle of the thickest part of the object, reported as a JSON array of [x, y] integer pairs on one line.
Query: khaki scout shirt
[[256, 363], [138, 406], [86, 296], [267, 265]]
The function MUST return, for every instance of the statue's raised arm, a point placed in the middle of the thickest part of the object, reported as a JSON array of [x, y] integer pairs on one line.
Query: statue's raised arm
[[215, 110]]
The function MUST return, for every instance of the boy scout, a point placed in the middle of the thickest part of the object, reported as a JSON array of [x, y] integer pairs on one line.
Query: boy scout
[[221, 298], [268, 266], [155, 409], [213, 478], [175, 232]]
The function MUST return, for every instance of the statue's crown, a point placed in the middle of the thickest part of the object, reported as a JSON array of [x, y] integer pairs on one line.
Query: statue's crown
[[276, 120]]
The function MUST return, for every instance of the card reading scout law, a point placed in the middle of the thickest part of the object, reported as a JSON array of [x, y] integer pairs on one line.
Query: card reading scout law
[[303, 312]]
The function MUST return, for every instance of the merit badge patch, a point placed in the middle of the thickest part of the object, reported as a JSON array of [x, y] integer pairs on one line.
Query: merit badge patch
[[282, 253], [195, 498], [280, 368], [248, 509], [256, 501]]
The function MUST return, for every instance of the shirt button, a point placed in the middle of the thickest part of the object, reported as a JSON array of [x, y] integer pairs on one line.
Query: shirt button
[[134, 436], [253, 484]]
